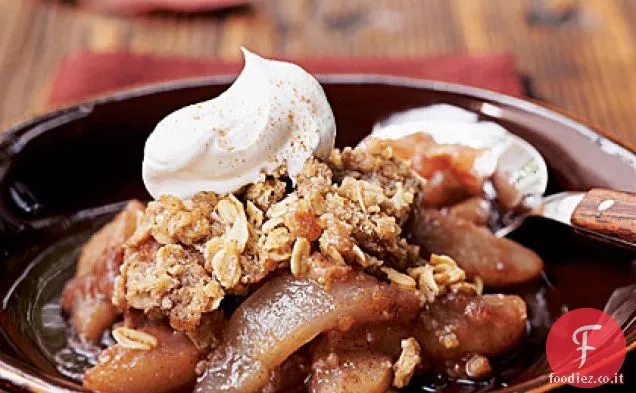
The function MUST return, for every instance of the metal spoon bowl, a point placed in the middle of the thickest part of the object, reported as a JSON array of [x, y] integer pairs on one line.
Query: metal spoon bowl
[[609, 215]]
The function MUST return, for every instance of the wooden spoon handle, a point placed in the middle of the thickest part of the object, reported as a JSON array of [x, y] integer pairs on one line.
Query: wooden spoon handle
[[609, 213]]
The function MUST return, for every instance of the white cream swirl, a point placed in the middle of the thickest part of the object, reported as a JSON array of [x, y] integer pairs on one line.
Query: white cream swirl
[[275, 113]]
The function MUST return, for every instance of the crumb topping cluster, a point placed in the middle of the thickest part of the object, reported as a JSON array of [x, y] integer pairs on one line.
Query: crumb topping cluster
[[406, 364], [343, 214]]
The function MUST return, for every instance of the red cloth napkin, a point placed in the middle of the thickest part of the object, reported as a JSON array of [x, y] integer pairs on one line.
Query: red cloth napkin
[[91, 74], [140, 6]]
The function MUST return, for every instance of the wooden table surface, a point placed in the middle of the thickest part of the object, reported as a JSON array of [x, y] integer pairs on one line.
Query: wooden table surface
[[583, 62]]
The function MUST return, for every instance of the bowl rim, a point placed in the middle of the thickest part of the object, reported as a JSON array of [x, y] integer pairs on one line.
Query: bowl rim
[[592, 132], [584, 127]]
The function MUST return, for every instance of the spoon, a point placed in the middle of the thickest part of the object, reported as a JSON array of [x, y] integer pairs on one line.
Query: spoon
[[521, 173]]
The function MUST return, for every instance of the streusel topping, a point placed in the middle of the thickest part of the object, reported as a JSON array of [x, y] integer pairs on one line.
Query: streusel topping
[[346, 213]]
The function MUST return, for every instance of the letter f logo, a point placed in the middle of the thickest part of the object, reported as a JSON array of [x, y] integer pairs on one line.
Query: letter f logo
[[584, 347]]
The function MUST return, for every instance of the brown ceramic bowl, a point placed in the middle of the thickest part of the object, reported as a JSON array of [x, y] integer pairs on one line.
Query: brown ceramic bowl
[[63, 174]]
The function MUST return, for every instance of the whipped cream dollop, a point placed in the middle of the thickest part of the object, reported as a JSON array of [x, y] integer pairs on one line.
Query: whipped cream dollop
[[275, 113]]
